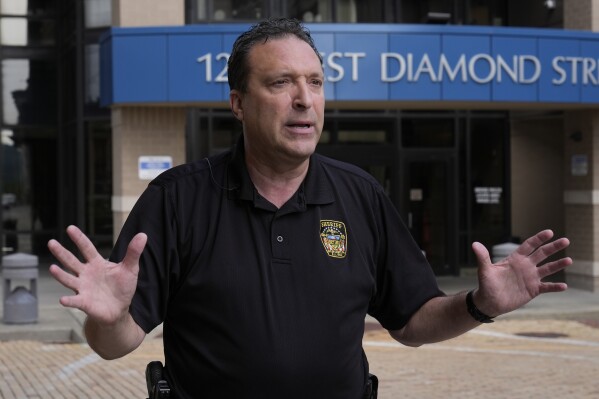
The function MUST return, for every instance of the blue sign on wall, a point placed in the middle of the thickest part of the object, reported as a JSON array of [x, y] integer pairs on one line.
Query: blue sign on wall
[[364, 62]]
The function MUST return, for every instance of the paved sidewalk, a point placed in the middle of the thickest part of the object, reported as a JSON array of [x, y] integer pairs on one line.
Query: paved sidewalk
[[58, 324], [549, 348], [516, 359], [55, 323]]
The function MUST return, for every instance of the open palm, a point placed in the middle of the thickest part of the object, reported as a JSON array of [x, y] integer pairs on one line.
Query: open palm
[[517, 279], [103, 289]]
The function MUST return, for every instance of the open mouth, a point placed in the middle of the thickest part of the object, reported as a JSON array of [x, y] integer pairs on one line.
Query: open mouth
[[300, 125]]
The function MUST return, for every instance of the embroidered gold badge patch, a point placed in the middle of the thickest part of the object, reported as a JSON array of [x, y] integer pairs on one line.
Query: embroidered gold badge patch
[[334, 238]]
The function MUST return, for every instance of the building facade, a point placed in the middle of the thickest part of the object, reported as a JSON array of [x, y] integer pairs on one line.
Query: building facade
[[87, 123]]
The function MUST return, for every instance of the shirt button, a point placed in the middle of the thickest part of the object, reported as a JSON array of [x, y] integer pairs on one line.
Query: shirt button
[[280, 238]]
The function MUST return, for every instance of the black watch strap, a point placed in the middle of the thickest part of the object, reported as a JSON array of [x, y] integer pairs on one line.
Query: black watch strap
[[475, 312]]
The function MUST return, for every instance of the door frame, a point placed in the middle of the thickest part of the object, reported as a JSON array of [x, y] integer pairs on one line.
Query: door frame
[[449, 158]]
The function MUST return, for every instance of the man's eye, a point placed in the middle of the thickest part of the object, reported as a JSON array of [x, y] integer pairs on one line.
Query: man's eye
[[317, 82]]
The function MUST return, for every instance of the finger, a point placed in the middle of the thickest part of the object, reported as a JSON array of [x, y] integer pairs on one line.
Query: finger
[[64, 278], [69, 281], [532, 243], [549, 249], [544, 288], [72, 301], [134, 251], [481, 253], [64, 256], [85, 246], [553, 267]]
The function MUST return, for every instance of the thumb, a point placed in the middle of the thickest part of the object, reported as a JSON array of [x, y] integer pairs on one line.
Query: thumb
[[134, 250], [481, 253]]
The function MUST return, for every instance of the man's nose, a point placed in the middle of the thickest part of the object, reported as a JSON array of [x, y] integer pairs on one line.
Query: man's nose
[[302, 96]]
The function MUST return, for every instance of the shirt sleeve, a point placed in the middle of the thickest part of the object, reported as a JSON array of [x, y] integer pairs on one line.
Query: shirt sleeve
[[404, 279], [154, 215]]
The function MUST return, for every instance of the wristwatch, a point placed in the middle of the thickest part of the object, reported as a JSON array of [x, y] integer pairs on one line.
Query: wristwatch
[[475, 312]]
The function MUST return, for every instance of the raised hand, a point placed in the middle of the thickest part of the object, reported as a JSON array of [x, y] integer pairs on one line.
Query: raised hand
[[517, 279], [103, 290]]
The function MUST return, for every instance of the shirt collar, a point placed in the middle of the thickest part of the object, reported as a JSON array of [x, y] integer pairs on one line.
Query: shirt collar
[[316, 189]]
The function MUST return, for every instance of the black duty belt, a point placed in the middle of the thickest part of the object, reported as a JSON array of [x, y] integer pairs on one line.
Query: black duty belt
[[158, 387]]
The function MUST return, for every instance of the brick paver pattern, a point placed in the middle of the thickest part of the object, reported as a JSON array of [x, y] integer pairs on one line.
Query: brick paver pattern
[[507, 359]]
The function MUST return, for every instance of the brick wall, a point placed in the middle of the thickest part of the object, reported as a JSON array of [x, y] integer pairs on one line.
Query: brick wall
[[148, 12], [578, 14], [141, 131]]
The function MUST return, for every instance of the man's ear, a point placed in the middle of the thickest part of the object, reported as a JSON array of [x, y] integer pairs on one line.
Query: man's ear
[[236, 103]]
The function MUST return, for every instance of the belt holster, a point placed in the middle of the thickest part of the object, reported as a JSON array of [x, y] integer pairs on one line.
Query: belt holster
[[372, 387], [157, 386]]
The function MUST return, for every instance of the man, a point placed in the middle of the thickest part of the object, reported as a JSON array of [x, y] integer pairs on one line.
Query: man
[[264, 261]]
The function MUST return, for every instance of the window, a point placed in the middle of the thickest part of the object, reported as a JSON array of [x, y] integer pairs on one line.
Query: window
[[224, 134], [362, 139], [16, 31], [29, 188], [98, 13], [29, 113], [25, 85], [427, 11], [27, 8], [360, 11], [427, 132], [357, 132], [27, 23], [92, 74], [227, 10], [310, 11], [99, 184], [487, 12], [211, 132], [487, 169]]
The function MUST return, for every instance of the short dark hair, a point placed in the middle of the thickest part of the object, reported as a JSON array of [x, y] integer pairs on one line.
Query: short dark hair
[[273, 28]]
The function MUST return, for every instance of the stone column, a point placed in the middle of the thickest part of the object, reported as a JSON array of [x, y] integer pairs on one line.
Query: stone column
[[148, 12], [581, 197], [143, 130], [581, 144]]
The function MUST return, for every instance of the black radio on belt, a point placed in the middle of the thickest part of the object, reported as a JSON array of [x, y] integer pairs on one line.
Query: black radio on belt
[[372, 387], [157, 386]]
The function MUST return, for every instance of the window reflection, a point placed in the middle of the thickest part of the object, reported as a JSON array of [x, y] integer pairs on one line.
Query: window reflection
[[28, 168], [22, 82], [98, 13], [99, 184], [22, 32], [347, 11], [238, 9], [16, 208], [201, 10], [225, 132], [92, 73], [488, 178], [15, 74], [13, 7], [13, 31], [417, 132], [310, 11], [27, 7]]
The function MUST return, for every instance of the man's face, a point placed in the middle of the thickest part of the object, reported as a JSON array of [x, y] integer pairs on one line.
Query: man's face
[[282, 111]]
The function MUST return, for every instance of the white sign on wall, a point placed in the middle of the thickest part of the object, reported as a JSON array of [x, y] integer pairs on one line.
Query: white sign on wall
[[150, 166], [580, 165], [488, 195]]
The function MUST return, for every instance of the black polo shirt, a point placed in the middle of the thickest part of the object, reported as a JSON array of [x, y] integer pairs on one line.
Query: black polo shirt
[[260, 302]]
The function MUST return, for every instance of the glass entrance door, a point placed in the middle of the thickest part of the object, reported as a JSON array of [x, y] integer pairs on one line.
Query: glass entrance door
[[428, 204]]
